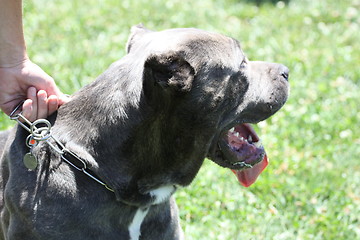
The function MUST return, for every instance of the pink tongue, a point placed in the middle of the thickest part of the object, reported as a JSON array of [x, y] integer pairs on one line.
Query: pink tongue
[[248, 176]]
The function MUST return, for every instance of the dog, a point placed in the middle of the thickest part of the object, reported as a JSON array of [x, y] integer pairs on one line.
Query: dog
[[143, 128]]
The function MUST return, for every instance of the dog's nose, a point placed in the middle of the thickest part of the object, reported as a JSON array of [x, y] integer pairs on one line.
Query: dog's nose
[[284, 72]]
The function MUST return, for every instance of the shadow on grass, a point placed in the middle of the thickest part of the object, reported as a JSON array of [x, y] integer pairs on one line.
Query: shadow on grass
[[260, 2]]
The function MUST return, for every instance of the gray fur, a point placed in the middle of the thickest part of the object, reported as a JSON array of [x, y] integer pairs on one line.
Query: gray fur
[[148, 121]]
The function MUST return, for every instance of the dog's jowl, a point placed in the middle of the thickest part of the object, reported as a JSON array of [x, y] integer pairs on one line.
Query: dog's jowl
[[142, 129]]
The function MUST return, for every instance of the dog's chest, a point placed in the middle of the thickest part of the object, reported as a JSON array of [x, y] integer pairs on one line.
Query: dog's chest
[[160, 195], [67, 204], [135, 225]]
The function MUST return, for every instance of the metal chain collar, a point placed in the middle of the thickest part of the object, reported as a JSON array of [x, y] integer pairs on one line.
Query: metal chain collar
[[40, 130]]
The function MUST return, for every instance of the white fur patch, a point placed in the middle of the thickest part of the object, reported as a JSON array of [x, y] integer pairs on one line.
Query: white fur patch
[[134, 228], [162, 194]]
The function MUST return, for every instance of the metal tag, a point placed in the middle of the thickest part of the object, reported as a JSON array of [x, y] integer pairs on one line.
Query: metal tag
[[30, 161]]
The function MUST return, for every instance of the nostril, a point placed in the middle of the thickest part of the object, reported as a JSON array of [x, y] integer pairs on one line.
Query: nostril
[[284, 72], [285, 75]]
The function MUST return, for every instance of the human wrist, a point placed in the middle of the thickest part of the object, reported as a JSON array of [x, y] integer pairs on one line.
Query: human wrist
[[12, 56]]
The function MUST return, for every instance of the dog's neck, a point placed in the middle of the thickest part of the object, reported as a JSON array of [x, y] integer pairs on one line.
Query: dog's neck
[[100, 112], [99, 119]]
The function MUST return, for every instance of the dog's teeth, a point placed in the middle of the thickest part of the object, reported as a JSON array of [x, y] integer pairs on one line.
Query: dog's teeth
[[236, 134], [242, 139], [232, 129], [250, 138], [258, 144]]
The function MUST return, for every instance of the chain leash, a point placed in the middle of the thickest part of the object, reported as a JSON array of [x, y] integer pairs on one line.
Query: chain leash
[[40, 131]]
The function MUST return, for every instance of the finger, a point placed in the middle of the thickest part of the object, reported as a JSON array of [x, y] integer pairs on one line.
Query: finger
[[42, 107], [63, 99], [27, 108], [31, 94], [53, 104]]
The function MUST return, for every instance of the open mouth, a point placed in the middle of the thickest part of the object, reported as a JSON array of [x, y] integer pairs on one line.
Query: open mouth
[[240, 149]]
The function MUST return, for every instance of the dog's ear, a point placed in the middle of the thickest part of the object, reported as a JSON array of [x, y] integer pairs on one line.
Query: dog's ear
[[170, 71], [136, 33]]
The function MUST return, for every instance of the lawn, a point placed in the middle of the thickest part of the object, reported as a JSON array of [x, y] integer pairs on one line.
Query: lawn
[[310, 189]]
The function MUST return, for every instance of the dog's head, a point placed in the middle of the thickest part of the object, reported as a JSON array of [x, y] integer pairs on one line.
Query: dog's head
[[205, 93]]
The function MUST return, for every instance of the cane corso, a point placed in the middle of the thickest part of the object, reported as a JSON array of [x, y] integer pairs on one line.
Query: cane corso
[[143, 128]]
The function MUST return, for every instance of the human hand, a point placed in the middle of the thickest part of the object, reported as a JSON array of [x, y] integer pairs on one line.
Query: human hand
[[29, 82]]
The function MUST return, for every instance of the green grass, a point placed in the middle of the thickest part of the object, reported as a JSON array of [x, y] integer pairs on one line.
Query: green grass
[[310, 189]]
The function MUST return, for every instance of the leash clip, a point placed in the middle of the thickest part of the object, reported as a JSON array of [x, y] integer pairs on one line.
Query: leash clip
[[40, 130], [14, 116]]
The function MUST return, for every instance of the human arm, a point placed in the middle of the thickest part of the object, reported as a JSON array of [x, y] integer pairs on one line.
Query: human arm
[[20, 79]]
